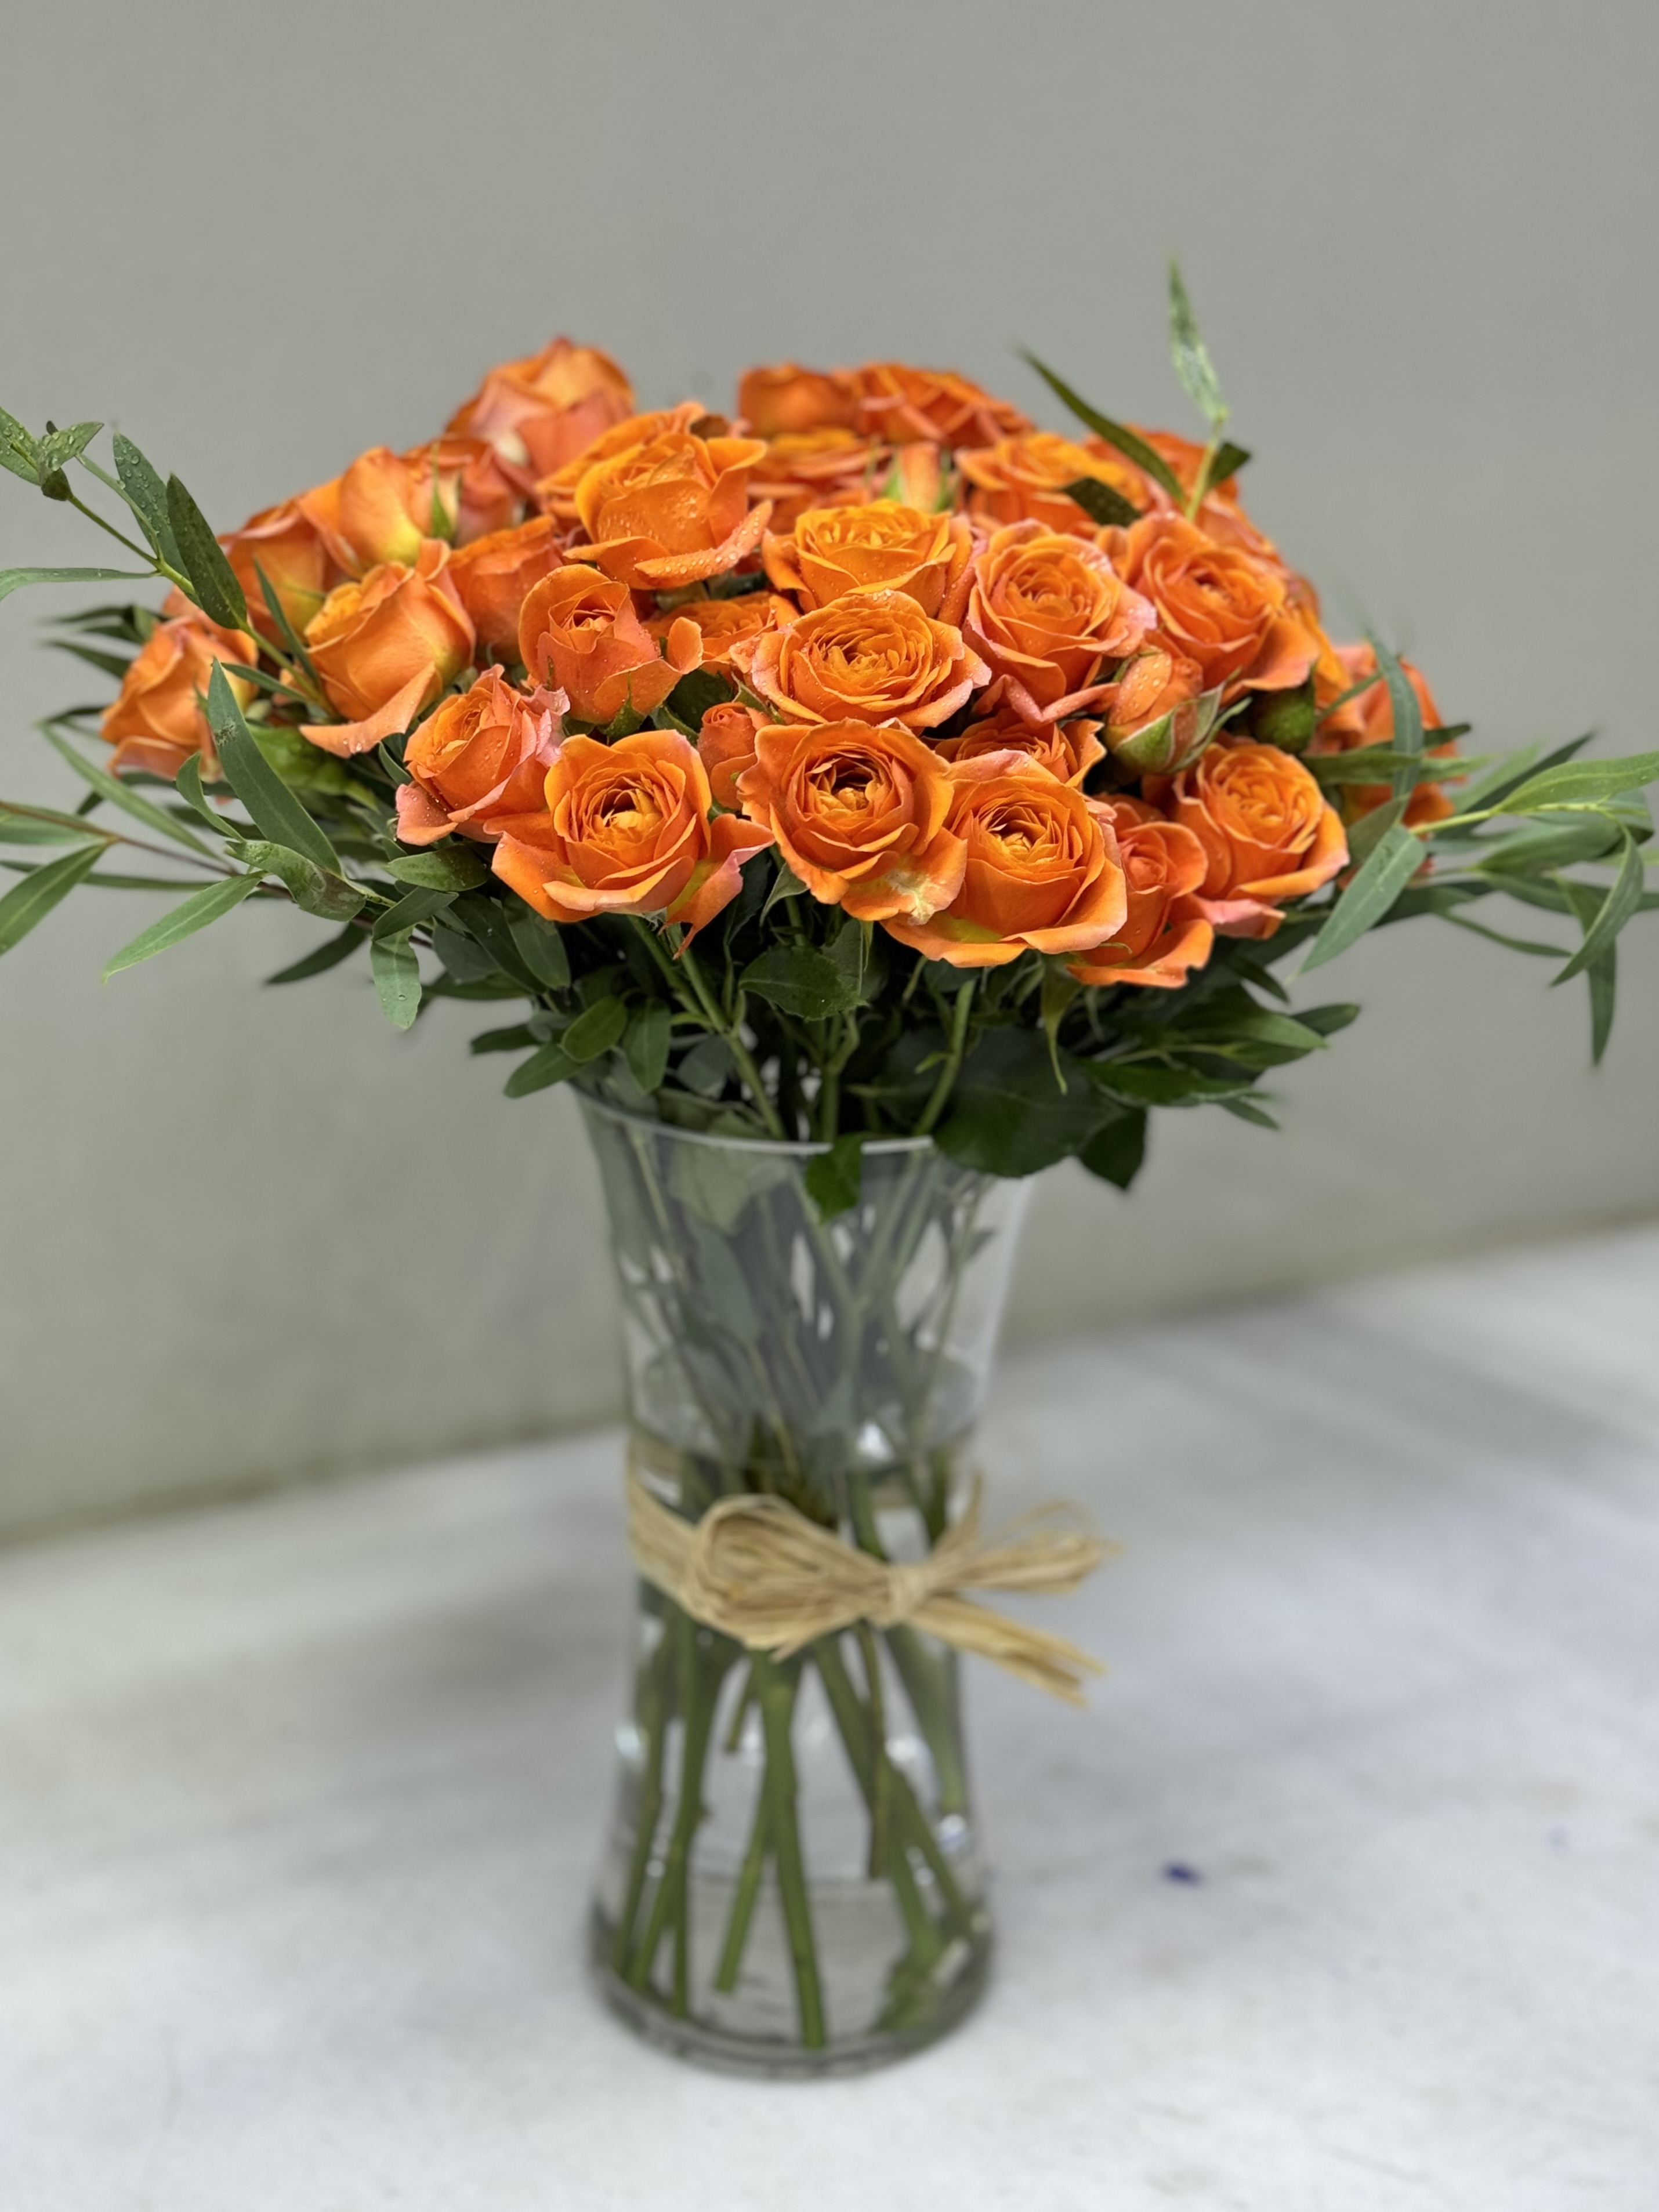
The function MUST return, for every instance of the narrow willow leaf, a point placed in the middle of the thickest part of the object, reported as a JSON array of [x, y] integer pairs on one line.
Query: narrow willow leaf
[[1192, 365], [274, 810], [1563, 842], [1102, 503], [445, 868], [188, 784], [513, 1040], [1510, 772], [325, 957], [59, 447], [595, 1029], [1613, 912], [1602, 974], [1129, 442], [196, 912], [121, 795], [291, 636], [834, 1178], [1403, 704], [1226, 461], [1248, 1109], [645, 1046], [1581, 783], [396, 979], [313, 889], [13, 580], [1368, 832], [1513, 944], [1373, 890], [20, 451], [1379, 765], [147, 495], [44, 825], [34, 899], [106, 664], [411, 911], [217, 591], [552, 1064]]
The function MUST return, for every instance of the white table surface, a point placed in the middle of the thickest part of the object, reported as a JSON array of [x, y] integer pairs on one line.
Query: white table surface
[[298, 1799]]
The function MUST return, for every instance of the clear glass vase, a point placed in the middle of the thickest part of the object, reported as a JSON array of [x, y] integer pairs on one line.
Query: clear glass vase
[[792, 1883]]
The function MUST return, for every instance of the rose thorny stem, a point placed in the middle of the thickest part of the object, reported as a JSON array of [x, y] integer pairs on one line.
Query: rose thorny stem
[[776, 1689]]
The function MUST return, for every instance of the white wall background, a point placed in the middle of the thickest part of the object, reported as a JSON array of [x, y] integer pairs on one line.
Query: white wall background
[[248, 1234]]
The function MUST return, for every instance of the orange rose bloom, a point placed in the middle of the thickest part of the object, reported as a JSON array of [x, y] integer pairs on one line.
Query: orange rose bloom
[[1266, 830], [495, 574], [1023, 479], [297, 557], [1163, 937], [626, 829], [783, 400], [672, 510], [556, 489], [814, 468], [833, 550], [578, 630], [483, 754], [1221, 608], [475, 496], [1042, 873], [870, 657], [901, 403], [1047, 611], [542, 412], [386, 647], [1067, 750], [1367, 720], [722, 623], [859, 815], [726, 746], [156, 722]]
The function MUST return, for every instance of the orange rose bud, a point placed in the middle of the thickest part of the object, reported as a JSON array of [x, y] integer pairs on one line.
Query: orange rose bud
[[859, 815], [1367, 720], [1162, 936], [386, 647], [1267, 832], [483, 754], [1023, 479], [542, 412], [1067, 750], [495, 575], [156, 722], [814, 468], [298, 560], [1042, 873], [869, 657], [461, 490], [722, 623], [626, 829], [880, 545], [901, 403], [578, 631], [672, 510], [1047, 611], [1224, 609], [726, 746], [783, 400]]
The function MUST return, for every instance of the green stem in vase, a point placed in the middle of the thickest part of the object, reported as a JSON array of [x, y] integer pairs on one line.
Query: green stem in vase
[[651, 1718], [927, 1675], [746, 1893], [881, 1767], [776, 1686], [698, 1692]]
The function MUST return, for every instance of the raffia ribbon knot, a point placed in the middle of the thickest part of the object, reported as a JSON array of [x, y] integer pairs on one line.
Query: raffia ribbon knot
[[761, 1572]]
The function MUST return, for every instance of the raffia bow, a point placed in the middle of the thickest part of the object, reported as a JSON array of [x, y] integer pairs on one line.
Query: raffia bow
[[761, 1572]]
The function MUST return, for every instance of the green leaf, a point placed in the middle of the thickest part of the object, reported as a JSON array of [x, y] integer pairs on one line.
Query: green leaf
[[325, 957], [34, 899], [148, 498], [217, 591], [20, 451], [1378, 764], [1602, 974], [1102, 503], [595, 1029], [411, 911], [1009, 1116], [1129, 443], [854, 951], [552, 1064], [59, 447], [512, 1040], [645, 1046], [1615, 911], [694, 695], [1226, 461], [121, 795], [1257, 1025], [1368, 832], [799, 980], [706, 1068], [1370, 894], [106, 664], [13, 580], [397, 974], [1326, 1021], [273, 807], [188, 784], [540, 944], [1248, 1109], [1545, 845], [285, 629], [1509, 773], [1581, 782], [1118, 1152], [445, 868], [833, 1179], [202, 907], [1512, 944], [786, 885], [1192, 365], [1407, 714], [44, 825], [1139, 1085], [313, 889]]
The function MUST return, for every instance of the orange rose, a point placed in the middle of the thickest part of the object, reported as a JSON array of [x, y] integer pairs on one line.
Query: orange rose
[[859, 815], [1042, 872], [1047, 611], [556, 489], [1220, 607], [156, 722], [495, 574], [1367, 720], [1266, 830], [542, 412], [784, 400], [1163, 937], [726, 746], [1023, 479], [1067, 750], [483, 754], [833, 550], [723, 622], [814, 468], [386, 647], [461, 486], [627, 829], [578, 630], [673, 510], [1151, 685], [297, 557], [871, 656], [899, 402]]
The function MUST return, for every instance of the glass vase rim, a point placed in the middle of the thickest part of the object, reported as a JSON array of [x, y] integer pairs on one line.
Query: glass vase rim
[[790, 1147]]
